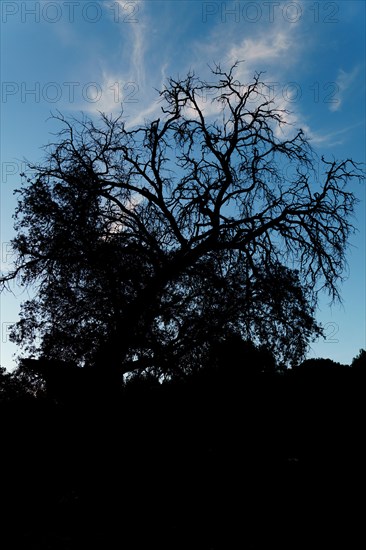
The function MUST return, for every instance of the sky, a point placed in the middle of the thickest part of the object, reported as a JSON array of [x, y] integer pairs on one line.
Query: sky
[[90, 56]]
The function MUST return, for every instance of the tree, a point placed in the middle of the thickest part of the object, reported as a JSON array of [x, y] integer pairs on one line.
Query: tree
[[18, 385], [148, 243], [359, 362]]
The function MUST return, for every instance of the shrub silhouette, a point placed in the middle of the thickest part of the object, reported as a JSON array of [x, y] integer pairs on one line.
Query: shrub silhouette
[[359, 362], [68, 384], [320, 364], [235, 357]]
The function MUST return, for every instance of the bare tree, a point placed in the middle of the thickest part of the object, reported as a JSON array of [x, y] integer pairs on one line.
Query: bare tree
[[126, 229]]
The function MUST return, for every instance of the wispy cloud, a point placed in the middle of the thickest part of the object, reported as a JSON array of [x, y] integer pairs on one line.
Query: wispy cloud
[[139, 34], [266, 46], [277, 49], [128, 85], [343, 82], [272, 48], [330, 139]]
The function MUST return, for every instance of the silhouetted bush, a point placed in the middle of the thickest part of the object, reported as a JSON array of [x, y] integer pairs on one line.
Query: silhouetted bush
[[238, 358], [19, 385], [359, 362], [320, 365]]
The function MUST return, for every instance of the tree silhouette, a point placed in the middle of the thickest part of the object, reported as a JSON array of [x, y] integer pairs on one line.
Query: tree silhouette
[[359, 362], [147, 243]]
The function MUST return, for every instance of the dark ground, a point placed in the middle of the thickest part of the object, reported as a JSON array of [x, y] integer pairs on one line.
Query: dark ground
[[267, 461]]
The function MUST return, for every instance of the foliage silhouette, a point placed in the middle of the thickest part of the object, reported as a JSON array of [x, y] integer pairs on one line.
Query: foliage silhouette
[[19, 385], [359, 362], [147, 244], [69, 384]]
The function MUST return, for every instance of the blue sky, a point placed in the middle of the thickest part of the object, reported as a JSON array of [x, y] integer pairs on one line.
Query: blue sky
[[94, 56]]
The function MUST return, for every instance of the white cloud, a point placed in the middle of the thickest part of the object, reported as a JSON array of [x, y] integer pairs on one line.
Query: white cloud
[[129, 85], [343, 82], [266, 48], [139, 33], [270, 48], [267, 43], [276, 49], [329, 139]]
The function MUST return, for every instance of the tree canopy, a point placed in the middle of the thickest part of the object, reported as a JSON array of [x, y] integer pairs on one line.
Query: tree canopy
[[145, 244]]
